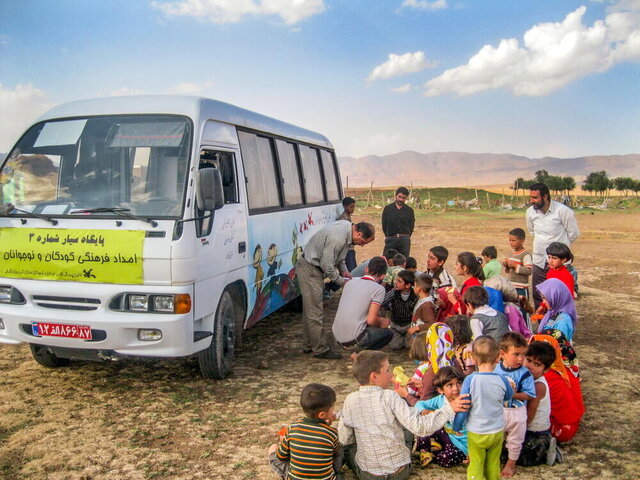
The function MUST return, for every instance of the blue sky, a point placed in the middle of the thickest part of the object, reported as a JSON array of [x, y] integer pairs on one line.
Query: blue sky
[[530, 77]]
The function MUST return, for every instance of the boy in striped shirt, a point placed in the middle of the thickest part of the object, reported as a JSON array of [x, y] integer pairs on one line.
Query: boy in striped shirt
[[310, 448]]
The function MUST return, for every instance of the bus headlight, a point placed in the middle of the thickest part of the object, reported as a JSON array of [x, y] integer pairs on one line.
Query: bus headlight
[[163, 303], [149, 334], [5, 294], [139, 303], [151, 303]]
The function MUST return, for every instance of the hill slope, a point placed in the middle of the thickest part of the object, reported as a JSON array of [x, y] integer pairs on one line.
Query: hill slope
[[459, 168]]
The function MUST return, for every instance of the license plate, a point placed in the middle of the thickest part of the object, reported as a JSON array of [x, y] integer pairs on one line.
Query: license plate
[[61, 330]]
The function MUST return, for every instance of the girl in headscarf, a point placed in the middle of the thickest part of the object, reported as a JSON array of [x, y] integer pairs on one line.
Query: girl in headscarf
[[567, 406], [561, 309], [434, 350], [560, 319]]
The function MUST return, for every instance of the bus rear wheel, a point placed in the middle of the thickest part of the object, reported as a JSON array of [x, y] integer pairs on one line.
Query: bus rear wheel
[[46, 357], [216, 361]]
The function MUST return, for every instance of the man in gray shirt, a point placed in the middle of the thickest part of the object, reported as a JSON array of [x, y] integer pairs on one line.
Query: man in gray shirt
[[358, 321], [323, 257]]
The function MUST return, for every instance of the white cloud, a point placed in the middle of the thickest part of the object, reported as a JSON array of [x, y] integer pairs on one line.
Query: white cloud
[[398, 65], [234, 11], [19, 107], [552, 56], [425, 5], [403, 89], [189, 88]]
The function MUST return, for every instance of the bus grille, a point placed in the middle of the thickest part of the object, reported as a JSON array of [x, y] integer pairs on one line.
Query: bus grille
[[66, 303]]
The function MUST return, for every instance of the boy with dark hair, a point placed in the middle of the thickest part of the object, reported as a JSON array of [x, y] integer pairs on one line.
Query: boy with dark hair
[[400, 302], [519, 265], [539, 446], [374, 418], [360, 270], [357, 320], [349, 206], [411, 264], [491, 266], [484, 319], [485, 420], [398, 262], [436, 259], [424, 311], [310, 448], [512, 352]]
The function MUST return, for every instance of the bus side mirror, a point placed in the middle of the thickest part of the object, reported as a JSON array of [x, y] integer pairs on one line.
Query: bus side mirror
[[209, 193]]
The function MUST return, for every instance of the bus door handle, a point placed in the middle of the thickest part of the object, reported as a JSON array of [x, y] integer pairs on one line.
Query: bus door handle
[[242, 247]]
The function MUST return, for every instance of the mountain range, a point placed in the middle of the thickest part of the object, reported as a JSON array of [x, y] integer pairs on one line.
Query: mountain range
[[452, 169]]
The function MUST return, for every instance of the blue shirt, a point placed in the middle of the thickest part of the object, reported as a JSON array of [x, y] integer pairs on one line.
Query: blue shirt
[[488, 392], [459, 439], [563, 323], [522, 378]]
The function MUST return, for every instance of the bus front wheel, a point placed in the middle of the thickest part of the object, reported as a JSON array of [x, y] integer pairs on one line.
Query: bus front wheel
[[46, 357], [216, 361]]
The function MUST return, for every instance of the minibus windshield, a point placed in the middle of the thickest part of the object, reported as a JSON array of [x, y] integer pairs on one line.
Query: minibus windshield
[[97, 164]]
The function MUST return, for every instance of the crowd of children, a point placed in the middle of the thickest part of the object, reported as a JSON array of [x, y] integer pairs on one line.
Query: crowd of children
[[494, 382]]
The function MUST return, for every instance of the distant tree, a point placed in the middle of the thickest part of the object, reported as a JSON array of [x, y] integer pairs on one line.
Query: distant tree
[[518, 185], [597, 182], [623, 184], [635, 187], [541, 176], [555, 184], [569, 184]]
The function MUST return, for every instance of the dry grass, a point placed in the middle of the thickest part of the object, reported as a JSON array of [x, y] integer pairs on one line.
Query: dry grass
[[160, 420]]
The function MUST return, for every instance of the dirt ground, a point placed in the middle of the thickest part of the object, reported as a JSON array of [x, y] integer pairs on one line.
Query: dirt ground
[[159, 419]]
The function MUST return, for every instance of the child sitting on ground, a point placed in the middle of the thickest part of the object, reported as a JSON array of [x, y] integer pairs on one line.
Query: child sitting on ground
[[446, 447], [435, 268], [412, 265], [484, 319], [539, 446], [519, 265], [491, 266], [470, 269], [424, 311], [461, 329], [565, 393], [310, 447], [400, 302], [433, 349], [398, 262], [558, 254], [485, 420], [560, 319], [512, 352], [373, 419]]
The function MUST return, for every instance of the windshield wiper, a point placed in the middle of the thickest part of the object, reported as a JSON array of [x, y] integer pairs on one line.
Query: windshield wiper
[[52, 221], [123, 212]]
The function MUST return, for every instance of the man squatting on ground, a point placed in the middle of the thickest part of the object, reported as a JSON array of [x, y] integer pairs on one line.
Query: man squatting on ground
[[324, 257]]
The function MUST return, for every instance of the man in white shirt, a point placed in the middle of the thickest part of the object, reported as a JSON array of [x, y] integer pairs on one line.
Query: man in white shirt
[[549, 221]]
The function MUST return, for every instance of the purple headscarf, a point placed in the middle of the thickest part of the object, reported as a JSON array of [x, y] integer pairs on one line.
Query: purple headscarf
[[559, 299]]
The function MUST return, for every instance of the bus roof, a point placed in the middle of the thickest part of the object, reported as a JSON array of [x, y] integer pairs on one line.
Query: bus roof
[[197, 108]]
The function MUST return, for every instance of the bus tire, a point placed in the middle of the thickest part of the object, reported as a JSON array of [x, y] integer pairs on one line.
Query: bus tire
[[216, 362], [46, 358]]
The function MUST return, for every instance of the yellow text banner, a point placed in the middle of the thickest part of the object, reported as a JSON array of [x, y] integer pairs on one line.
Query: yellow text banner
[[98, 256]]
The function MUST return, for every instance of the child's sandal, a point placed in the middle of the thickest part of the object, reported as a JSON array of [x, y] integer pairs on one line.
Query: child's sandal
[[425, 458]]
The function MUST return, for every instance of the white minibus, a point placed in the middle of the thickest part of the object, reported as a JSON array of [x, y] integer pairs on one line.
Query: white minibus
[[155, 226]]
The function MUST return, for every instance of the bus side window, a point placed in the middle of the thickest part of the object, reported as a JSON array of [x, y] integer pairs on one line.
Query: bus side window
[[225, 162]]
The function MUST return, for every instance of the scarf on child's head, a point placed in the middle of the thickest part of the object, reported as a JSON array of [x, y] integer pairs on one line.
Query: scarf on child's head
[[559, 299], [439, 351], [558, 365]]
